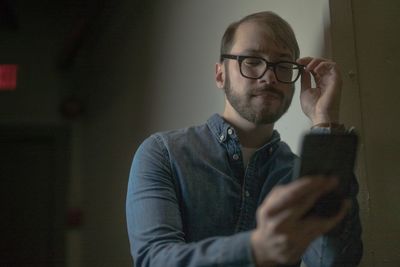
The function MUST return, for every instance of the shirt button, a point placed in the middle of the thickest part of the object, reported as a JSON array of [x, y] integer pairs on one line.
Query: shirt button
[[230, 131], [235, 156], [221, 137], [247, 193]]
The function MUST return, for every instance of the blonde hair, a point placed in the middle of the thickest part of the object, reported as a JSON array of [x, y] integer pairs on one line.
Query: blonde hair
[[278, 29]]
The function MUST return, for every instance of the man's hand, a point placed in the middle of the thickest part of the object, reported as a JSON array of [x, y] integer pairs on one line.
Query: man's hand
[[283, 231], [321, 103]]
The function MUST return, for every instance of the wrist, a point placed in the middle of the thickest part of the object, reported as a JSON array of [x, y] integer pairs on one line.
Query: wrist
[[325, 112], [322, 119], [330, 125], [259, 253]]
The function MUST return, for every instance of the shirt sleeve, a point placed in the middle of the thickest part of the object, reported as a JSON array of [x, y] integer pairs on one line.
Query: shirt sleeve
[[154, 221], [341, 247]]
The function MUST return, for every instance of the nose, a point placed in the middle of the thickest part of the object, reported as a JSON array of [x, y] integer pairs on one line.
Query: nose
[[268, 77]]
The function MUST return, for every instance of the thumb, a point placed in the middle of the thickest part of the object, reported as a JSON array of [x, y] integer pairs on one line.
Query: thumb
[[305, 80]]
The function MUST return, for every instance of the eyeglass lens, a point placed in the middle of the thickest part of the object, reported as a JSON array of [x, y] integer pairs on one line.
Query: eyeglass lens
[[255, 68]]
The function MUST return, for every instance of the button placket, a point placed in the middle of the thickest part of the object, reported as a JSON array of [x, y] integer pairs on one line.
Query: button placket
[[248, 201]]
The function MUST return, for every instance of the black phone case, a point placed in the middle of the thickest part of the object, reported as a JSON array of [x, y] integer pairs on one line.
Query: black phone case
[[331, 155]]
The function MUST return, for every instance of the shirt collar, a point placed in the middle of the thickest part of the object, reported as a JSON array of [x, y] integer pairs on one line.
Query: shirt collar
[[222, 130]]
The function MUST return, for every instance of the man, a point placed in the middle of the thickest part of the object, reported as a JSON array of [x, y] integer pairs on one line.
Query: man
[[220, 194]]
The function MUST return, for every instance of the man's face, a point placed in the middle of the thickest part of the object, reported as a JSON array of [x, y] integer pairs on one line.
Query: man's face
[[261, 101]]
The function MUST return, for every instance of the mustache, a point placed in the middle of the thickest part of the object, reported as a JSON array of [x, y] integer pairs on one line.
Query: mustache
[[268, 89]]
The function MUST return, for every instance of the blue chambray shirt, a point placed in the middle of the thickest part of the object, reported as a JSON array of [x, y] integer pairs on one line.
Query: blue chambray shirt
[[192, 202]]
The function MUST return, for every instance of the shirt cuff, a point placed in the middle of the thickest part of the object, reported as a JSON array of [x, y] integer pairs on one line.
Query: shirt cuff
[[240, 251]]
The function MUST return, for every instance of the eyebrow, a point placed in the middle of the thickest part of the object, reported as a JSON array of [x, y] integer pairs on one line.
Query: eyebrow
[[258, 52]]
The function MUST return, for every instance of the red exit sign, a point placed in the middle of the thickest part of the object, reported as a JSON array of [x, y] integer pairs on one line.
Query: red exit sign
[[8, 76]]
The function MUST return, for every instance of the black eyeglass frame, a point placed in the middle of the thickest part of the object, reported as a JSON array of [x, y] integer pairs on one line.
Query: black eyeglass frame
[[269, 65]]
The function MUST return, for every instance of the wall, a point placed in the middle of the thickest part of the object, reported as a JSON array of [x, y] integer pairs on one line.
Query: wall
[[376, 49], [34, 46], [376, 27], [365, 42]]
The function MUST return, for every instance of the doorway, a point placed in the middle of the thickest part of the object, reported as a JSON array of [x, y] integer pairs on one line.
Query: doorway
[[33, 182]]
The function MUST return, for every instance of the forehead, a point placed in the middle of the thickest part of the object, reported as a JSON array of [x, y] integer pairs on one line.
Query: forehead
[[255, 38]]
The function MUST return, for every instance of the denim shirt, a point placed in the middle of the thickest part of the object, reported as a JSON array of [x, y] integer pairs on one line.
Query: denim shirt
[[192, 202]]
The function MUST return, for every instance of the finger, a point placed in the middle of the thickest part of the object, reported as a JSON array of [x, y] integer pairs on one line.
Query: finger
[[326, 67], [299, 209], [304, 60], [305, 80], [315, 226], [290, 195], [284, 196], [314, 63]]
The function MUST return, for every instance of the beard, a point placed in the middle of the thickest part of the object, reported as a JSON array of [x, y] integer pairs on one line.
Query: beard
[[265, 114]]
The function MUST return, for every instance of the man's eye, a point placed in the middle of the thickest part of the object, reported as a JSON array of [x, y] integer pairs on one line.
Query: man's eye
[[252, 62]]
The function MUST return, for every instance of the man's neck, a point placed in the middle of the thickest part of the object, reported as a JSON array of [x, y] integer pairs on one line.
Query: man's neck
[[250, 134]]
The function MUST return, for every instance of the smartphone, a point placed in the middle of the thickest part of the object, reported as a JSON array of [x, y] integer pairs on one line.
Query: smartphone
[[330, 155]]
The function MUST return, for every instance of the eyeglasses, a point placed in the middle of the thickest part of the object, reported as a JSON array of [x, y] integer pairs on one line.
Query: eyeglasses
[[255, 67]]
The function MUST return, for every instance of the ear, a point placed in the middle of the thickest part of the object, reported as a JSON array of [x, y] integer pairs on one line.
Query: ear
[[220, 75]]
